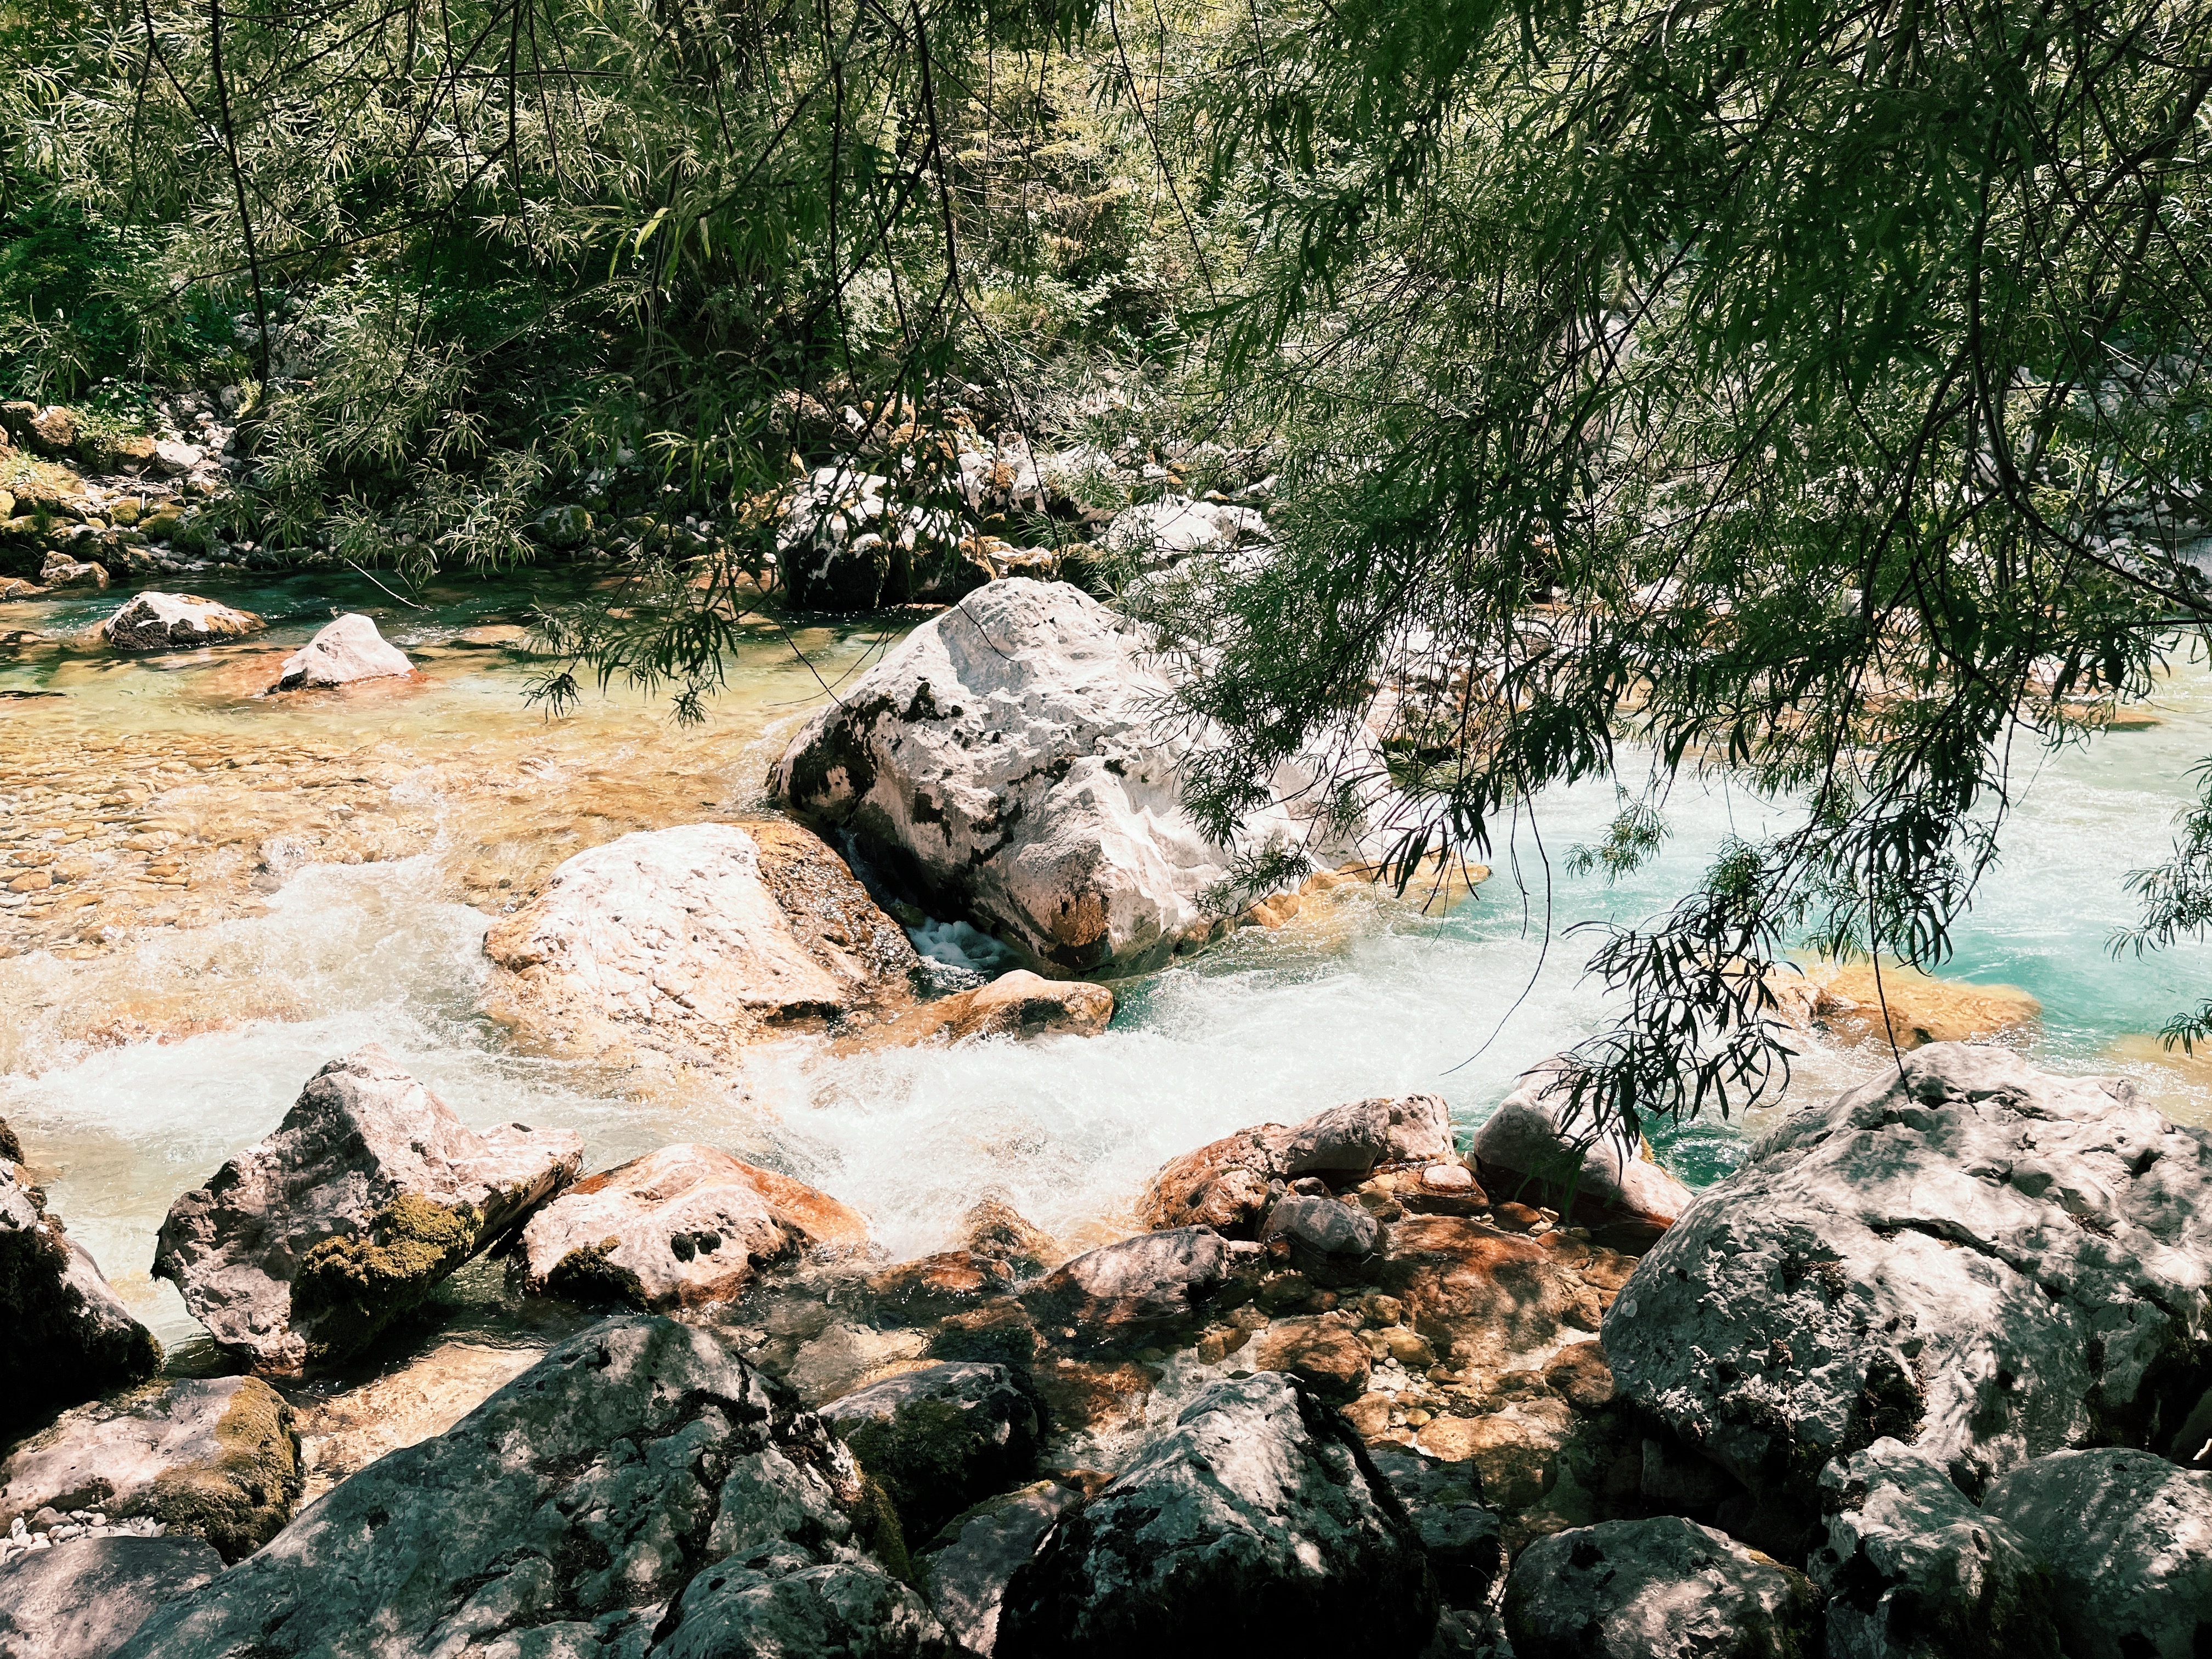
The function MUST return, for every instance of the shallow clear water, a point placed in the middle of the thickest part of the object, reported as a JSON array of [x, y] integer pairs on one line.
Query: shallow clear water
[[1361, 998]]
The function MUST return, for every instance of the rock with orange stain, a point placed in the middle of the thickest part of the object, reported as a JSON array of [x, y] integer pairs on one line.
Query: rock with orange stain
[[681, 1227], [1017, 1005]]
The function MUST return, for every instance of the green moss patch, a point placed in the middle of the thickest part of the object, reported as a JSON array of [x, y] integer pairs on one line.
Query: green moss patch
[[242, 1498], [348, 1289], [590, 1275]]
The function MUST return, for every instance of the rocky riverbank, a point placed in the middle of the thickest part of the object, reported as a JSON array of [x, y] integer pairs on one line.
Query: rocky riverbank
[[1368, 1399]]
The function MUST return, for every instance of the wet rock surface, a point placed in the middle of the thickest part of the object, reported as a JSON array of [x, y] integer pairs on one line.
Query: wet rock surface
[[1912, 1570], [679, 1227], [1020, 1004], [2128, 1537], [1982, 1260], [371, 1191], [217, 1459], [939, 1437], [1255, 1521], [1003, 762], [84, 1599], [567, 1513], [1661, 1589], [348, 650], [69, 1336], [682, 945]]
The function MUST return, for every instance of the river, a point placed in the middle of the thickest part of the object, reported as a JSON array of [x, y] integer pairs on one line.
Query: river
[[170, 1019]]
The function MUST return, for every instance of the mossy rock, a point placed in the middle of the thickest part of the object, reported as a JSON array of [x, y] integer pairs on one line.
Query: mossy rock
[[349, 1288], [589, 1274], [242, 1498]]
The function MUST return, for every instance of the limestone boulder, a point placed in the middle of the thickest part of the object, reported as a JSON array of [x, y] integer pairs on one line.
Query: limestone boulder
[[846, 542], [2128, 1536], [1328, 1239], [307, 1244], [941, 1436], [1009, 763], [69, 1335], [175, 622], [1230, 1184], [1979, 1258], [348, 650], [678, 1227], [1529, 1151], [1255, 1523], [1661, 1589], [783, 1603], [965, 1568], [1161, 533], [579, 1510], [214, 1458], [84, 1599], [1465, 1543], [686, 944], [1912, 1570]]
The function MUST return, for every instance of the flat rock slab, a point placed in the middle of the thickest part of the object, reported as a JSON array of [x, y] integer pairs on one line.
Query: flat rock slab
[[349, 649], [680, 1227], [688, 943], [2128, 1540], [84, 1599], [563, 1516], [175, 622], [1661, 1589], [1256, 1524], [69, 1335], [1970, 1255], [1006, 761], [214, 1458], [307, 1244]]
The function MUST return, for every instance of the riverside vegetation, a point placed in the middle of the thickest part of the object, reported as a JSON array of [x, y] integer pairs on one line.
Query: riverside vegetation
[[1202, 478]]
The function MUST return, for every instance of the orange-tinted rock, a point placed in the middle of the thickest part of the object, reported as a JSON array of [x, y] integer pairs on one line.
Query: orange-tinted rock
[[1579, 1373], [1852, 1003], [1017, 1005], [1224, 1185], [994, 1228], [1322, 1351], [1480, 1293], [937, 1287]]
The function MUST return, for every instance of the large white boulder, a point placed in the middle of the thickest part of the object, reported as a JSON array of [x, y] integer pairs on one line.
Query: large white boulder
[[1984, 1261], [688, 942], [175, 622], [349, 649], [1012, 760], [1169, 531]]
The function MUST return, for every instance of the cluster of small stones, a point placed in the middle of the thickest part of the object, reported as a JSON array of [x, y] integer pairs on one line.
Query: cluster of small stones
[[21, 1540]]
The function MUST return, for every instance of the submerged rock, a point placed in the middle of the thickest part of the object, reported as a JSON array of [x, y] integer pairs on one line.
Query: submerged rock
[[941, 1436], [2128, 1540], [307, 1244], [1255, 1523], [69, 1335], [572, 1513], [84, 1599], [1661, 1589], [1007, 762], [215, 1459], [347, 650], [1913, 1570], [1979, 1258], [1230, 1184], [1528, 1137], [1853, 1003], [680, 1227], [175, 622], [692, 941]]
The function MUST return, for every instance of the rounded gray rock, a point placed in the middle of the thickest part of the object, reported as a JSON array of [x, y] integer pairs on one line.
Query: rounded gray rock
[[1255, 1523], [1661, 1588], [939, 1437], [2129, 1538], [84, 1599]]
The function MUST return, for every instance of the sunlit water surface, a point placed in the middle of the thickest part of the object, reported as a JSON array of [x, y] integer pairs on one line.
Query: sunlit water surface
[[1367, 998]]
